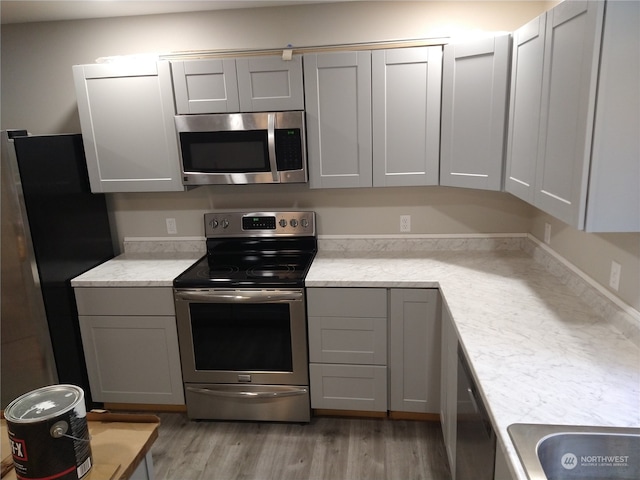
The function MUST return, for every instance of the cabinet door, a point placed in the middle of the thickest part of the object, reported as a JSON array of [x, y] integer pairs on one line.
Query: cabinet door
[[568, 103], [338, 106], [205, 86], [474, 107], [449, 387], [270, 84], [132, 359], [406, 87], [614, 194], [126, 114], [524, 110], [414, 351]]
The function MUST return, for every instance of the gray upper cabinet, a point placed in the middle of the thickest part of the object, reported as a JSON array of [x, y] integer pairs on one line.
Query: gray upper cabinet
[[574, 149], [270, 84], [373, 118], [205, 86], [524, 110], [406, 87], [614, 194], [474, 105], [126, 115], [249, 84], [568, 102], [338, 107]]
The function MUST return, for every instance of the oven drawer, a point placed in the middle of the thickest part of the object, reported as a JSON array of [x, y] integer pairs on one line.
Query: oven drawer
[[125, 300], [273, 403]]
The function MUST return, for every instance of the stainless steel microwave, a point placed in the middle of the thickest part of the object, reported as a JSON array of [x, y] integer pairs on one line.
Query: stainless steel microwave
[[242, 148]]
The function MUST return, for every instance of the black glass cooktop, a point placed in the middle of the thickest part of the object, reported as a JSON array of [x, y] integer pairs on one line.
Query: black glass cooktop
[[251, 263]]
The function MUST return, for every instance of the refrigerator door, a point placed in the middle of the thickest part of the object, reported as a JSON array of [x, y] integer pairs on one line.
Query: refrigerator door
[[70, 234], [27, 356]]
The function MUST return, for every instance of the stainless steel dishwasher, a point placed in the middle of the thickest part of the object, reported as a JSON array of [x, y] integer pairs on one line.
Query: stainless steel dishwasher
[[475, 439]]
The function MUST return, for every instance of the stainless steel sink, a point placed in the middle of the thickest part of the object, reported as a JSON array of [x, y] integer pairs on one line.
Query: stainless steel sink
[[559, 452]]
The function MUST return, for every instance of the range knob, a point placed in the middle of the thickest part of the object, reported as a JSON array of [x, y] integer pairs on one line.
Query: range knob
[[304, 223], [213, 223], [225, 223], [282, 223], [293, 222]]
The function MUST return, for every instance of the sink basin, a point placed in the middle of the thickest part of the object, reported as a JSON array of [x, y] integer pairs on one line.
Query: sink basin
[[559, 452]]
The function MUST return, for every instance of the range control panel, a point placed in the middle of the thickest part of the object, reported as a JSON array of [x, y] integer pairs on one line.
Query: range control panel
[[259, 224]]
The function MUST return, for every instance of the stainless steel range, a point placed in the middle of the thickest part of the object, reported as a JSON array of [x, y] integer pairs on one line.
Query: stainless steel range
[[241, 316]]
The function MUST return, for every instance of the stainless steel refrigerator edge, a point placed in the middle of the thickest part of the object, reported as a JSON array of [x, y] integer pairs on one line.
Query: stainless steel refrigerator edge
[[53, 229]]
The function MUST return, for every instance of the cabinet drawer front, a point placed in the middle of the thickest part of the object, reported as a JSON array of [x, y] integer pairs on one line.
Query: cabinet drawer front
[[347, 302], [125, 301], [348, 340], [348, 387]]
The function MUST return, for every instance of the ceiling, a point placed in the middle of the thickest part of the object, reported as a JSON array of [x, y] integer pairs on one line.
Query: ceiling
[[24, 11]]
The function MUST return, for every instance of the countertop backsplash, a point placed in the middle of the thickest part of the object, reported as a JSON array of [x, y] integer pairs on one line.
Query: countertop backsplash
[[606, 305], [165, 245]]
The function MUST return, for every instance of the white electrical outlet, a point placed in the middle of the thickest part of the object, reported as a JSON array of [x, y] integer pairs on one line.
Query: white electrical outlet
[[614, 277], [405, 223], [172, 228], [547, 233]]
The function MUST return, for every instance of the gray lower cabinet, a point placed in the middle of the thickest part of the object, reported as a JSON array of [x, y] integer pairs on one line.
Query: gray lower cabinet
[[130, 343], [374, 349], [449, 387], [414, 350], [501, 468], [127, 120], [348, 348]]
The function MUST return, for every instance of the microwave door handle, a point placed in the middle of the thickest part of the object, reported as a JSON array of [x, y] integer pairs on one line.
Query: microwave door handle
[[271, 140]]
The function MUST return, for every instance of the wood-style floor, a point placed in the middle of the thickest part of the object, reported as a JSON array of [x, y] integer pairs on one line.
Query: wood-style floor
[[328, 448]]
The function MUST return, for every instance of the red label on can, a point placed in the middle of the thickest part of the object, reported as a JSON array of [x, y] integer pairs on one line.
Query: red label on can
[[18, 449]]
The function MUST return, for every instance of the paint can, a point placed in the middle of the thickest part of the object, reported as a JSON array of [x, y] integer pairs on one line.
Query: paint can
[[48, 434]]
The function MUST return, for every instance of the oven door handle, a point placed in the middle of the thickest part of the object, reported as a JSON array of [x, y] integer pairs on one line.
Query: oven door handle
[[289, 392], [240, 296]]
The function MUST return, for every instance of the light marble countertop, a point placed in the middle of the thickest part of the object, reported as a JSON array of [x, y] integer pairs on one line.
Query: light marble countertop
[[153, 269], [540, 354]]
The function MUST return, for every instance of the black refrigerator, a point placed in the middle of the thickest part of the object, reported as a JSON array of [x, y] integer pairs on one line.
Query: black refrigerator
[[53, 229]]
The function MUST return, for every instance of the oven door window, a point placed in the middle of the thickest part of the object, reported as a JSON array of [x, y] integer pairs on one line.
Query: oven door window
[[225, 152], [249, 337]]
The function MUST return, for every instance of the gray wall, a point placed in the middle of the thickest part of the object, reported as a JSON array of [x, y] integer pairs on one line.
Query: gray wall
[[37, 94]]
